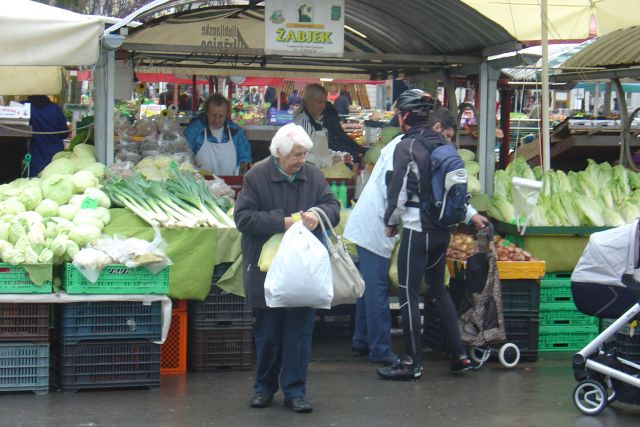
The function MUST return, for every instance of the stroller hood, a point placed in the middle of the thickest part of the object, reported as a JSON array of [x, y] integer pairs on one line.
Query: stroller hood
[[608, 255]]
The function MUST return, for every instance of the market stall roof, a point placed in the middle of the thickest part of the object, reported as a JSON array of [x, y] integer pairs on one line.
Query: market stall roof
[[558, 55], [38, 34], [616, 54], [381, 37]]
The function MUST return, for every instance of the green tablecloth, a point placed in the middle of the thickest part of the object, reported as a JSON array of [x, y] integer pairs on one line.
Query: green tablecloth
[[193, 251]]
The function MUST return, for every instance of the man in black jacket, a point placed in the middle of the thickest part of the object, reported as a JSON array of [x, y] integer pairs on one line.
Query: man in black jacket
[[338, 139], [423, 246]]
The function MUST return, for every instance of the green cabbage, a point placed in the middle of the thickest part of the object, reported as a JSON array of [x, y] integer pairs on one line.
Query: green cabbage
[[82, 180], [84, 234], [58, 188], [30, 196], [68, 211], [502, 184], [591, 209], [466, 155], [501, 209], [60, 166], [84, 150], [473, 168], [473, 185], [613, 218], [99, 170], [48, 208], [100, 196]]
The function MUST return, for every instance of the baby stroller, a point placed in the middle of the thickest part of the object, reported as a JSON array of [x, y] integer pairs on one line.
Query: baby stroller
[[480, 311], [605, 284]]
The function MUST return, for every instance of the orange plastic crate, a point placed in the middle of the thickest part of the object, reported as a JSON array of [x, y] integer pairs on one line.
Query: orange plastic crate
[[173, 353]]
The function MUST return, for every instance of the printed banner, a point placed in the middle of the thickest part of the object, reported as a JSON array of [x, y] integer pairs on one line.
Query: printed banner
[[307, 28]]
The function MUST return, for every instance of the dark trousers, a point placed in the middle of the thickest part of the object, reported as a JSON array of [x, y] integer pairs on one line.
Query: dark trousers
[[283, 345], [424, 254], [602, 300]]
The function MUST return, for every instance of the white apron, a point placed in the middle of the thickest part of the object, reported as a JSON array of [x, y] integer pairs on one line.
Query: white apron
[[319, 153], [217, 158]]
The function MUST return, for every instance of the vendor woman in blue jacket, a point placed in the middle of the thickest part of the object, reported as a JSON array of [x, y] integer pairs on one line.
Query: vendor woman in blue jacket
[[209, 136]]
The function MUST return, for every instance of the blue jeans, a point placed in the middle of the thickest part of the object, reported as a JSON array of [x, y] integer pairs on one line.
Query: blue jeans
[[283, 346], [373, 319]]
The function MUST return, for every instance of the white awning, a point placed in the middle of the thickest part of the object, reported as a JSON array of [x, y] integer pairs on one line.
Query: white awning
[[37, 34]]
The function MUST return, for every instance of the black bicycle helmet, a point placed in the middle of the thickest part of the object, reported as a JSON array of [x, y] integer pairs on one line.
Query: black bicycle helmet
[[415, 101]]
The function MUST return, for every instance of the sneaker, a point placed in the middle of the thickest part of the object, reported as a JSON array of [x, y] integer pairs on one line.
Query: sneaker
[[401, 371], [388, 360], [461, 364]]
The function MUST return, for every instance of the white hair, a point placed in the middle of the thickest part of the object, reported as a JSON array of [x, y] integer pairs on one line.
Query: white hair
[[287, 137]]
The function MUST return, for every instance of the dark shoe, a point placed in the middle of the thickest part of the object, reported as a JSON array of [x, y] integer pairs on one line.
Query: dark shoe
[[461, 364], [401, 370], [260, 400], [359, 351], [390, 360], [299, 405]]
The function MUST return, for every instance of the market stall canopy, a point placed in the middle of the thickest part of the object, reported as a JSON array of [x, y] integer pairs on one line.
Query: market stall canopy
[[613, 55], [32, 80], [37, 34], [568, 19], [380, 38], [558, 55]]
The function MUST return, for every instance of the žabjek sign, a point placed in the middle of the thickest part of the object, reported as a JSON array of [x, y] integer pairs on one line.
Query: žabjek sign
[[312, 27]]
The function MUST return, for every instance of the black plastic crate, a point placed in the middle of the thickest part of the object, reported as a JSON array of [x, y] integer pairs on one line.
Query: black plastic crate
[[24, 322], [523, 332], [219, 306], [106, 364], [227, 347], [219, 270], [628, 347], [520, 297], [109, 320]]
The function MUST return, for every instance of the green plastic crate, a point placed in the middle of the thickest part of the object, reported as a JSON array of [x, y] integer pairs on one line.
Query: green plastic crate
[[564, 314], [14, 279], [565, 338], [556, 288], [117, 279]]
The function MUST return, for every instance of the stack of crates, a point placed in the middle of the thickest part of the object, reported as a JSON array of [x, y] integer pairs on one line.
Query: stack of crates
[[109, 344], [173, 352], [562, 326], [520, 302], [24, 335], [220, 330]]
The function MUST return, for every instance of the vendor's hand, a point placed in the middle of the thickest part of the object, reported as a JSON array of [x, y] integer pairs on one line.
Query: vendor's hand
[[244, 167], [309, 219], [390, 231], [347, 159], [479, 221]]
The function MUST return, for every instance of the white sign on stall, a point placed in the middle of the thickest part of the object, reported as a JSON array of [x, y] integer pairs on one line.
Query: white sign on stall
[[15, 110], [308, 28]]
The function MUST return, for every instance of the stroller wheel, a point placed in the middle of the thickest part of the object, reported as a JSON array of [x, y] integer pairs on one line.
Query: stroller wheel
[[590, 397], [479, 354], [509, 355]]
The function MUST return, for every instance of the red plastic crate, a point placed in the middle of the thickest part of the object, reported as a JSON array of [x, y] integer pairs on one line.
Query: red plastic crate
[[24, 322], [173, 353]]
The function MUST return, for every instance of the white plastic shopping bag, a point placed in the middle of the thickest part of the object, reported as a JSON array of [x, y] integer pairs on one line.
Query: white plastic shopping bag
[[300, 272]]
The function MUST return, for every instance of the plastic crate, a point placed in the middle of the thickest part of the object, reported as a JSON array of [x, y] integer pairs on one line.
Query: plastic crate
[[556, 287], [520, 297], [14, 279], [219, 270], [109, 320], [24, 367], [556, 314], [219, 307], [565, 338], [220, 348], [24, 322], [523, 332], [173, 353], [106, 364], [628, 347], [117, 279]]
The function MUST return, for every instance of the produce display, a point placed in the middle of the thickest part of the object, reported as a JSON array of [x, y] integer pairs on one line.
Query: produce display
[[149, 137], [178, 201], [48, 219], [462, 246], [601, 195]]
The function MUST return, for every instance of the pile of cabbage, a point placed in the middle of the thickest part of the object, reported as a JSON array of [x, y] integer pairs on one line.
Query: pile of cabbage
[[48, 219], [473, 170], [601, 195]]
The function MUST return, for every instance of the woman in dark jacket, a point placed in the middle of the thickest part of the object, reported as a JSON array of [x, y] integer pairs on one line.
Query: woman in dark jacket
[[273, 190]]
